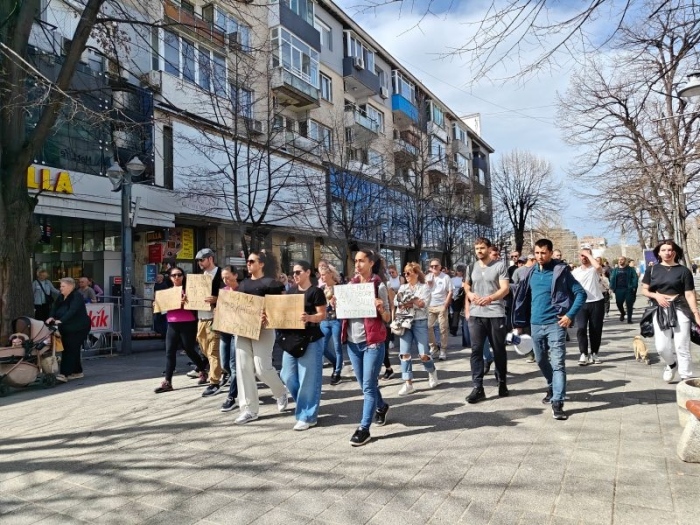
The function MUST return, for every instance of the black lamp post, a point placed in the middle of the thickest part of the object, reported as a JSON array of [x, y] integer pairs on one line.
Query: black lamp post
[[121, 181]]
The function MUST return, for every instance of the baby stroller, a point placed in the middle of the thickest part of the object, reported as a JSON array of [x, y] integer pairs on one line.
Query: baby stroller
[[29, 357]]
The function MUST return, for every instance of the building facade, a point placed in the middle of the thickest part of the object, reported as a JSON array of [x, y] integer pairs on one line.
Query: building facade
[[278, 124]]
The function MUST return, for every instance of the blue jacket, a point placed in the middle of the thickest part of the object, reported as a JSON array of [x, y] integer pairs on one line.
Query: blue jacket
[[568, 296]]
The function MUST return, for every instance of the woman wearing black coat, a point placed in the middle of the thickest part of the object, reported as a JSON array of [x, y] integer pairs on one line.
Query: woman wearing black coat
[[69, 312]]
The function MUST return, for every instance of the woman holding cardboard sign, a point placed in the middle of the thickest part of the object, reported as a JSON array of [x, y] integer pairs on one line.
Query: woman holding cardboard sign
[[302, 369], [365, 338], [255, 357], [182, 331]]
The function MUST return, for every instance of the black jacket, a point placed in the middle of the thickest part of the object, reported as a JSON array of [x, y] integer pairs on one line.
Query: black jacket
[[71, 312]]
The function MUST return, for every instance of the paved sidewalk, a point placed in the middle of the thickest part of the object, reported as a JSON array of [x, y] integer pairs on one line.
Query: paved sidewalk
[[105, 449]]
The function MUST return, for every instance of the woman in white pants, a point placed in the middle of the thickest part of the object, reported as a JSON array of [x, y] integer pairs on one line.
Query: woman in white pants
[[668, 283], [255, 357]]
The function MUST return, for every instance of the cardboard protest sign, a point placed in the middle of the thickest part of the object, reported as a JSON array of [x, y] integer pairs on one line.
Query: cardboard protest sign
[[284, 311], [198, 288], [168, 299], [354, 301], [238, 313]]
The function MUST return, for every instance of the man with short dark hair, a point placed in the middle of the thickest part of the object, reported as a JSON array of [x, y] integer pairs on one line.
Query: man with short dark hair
[[206, 337], [548, 299], [440, 299], [485, 287]]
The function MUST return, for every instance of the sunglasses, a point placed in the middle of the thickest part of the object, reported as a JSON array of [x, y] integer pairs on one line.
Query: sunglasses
[[435, 266], [175, 275], [251, 261], [297, 272], [406, 274]]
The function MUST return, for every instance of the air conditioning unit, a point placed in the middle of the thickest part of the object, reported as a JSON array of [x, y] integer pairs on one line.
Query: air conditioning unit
[[152, 80], [384, 92], [359, 63], [256, 127]]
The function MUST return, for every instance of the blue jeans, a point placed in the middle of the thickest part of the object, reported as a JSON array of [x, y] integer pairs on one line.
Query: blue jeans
[[331, 334], [227, 356], [303, 376], [367, 362], [549, 341], [418, 333]]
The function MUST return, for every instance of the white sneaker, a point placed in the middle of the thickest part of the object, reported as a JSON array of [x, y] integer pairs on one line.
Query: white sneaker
[[591, 360], [583, 360], [595, 359], [443, 356], [406, 389], [669, 373], [192, 374], [303, 425], [246, 417], [282, 402], [432, 379]]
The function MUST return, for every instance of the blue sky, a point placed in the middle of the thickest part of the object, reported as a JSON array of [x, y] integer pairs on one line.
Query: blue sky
[[514, 114]]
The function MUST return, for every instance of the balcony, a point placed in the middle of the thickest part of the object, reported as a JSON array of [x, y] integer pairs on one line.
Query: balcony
[[434, 129], [405, 113], [460, 147], [294, 89], [278, 14], [194, 24], [437, 164], [402, 146], [364, 129], [359, 81]]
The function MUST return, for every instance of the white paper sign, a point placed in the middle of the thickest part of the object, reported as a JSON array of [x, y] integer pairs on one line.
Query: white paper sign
[[355, 301]]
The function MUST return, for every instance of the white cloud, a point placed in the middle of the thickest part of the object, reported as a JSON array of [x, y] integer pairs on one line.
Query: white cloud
[[514, 114]]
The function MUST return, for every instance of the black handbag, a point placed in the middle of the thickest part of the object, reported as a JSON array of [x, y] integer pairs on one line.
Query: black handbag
[[666, 316], [694, 332], [646, 323], [294, 342]]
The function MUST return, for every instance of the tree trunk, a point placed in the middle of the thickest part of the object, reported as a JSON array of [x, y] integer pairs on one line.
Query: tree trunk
[[15, 281]]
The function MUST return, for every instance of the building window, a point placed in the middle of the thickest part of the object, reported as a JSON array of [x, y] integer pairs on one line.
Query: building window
[[295, 56], [403, 87], [375, 159], [436, 114], [235, 30], [304, 8], [326, 35], [377, 116], [172, 53], [382, 77], [321, 134], [168, 170], [242, 101], [357, 49], [188, 69], [460, 135], [326, 88], [437, 148], [461, 164], [204, 69]]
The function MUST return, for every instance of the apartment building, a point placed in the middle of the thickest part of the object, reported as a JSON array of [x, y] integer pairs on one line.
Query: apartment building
[[281, 123]]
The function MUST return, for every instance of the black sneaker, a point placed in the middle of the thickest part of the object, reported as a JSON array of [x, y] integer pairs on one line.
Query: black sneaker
[[388, 373], [224, 379], [360, 437], [622, 317], [229, 404], [558, 411], [335, 379], [380, 416], [503, 390], [548, 398], [211, 390], [477, 395]]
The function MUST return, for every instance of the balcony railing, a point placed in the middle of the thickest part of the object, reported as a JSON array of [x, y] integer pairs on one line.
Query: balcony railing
[[298, 80], [360, 117], [402, 105], [194, 23]]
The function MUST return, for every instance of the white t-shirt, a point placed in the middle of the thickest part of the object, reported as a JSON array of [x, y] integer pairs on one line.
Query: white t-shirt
[[442, 285], [589, 279], [394, 283]]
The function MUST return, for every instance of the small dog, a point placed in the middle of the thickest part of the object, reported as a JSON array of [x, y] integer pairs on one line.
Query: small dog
[[640, 349]]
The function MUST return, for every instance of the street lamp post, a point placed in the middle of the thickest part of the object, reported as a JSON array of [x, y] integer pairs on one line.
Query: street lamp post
[[122, 180]]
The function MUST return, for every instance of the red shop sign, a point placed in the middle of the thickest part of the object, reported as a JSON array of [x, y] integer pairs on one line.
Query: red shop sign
[[155, 253]]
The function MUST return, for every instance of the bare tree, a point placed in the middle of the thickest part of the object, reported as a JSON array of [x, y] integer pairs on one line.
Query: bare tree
[[524, 187], [535, 34], [638, 138]]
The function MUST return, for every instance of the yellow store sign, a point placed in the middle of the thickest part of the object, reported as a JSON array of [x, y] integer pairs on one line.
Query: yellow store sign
[[41, 179]]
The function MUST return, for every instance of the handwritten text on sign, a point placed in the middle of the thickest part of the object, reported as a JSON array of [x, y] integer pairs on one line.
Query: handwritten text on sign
[[239, 314], [168, 300], [284, 311], [197, 289], [354, 301]]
